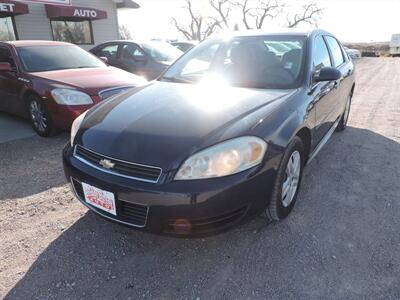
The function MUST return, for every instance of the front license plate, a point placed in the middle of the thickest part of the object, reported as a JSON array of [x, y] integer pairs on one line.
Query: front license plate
[[101, 199]]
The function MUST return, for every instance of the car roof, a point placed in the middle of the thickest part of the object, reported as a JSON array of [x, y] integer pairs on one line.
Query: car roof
[[185, 42], [280, 32], [130, 41], [36, 43]]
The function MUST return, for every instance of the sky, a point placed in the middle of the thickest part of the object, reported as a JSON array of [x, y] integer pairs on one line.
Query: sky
[[349, 20]]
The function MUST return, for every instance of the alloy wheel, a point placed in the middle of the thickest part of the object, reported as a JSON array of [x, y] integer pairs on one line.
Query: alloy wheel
[[38, 115], [292, 177]]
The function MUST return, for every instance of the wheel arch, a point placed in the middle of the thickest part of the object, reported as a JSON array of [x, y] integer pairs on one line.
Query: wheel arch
[[294, 124], [305, 135], [27, 94]]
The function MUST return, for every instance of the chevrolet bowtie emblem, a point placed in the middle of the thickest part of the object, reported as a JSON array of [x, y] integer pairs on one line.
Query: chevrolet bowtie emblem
[[108, 164]]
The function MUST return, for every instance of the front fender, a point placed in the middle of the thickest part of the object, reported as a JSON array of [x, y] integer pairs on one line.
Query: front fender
[[283, 124]]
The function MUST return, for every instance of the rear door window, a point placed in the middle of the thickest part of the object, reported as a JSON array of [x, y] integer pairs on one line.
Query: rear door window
[[336, 50]]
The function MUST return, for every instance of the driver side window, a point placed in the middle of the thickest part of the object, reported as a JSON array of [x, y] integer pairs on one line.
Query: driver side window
[[109, 51], [6, 56], [130, 51], [321, 56]]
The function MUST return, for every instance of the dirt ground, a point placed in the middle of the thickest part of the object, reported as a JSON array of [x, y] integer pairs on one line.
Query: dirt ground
[[342, 240]]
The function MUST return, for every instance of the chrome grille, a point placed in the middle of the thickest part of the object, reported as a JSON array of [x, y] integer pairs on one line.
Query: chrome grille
[[120, 167]]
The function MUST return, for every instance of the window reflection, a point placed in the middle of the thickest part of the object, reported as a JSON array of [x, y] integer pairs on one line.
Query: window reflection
[[7, 30]]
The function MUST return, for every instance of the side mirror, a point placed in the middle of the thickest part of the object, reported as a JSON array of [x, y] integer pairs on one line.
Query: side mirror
[[327, 74], [104, 59], [5, 67]]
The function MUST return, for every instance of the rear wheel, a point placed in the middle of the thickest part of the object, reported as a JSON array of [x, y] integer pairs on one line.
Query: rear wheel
[[288, 181], [345, 117], [40, 118]]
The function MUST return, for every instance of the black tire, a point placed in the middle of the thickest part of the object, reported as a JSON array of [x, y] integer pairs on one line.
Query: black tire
[[276, 209], [40, 118], [345, 116]]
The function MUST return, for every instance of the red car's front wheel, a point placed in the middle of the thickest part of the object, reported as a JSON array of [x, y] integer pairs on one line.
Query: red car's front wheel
[[40, 118]]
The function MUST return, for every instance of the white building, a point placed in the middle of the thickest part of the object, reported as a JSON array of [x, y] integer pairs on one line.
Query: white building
[[82, 22]]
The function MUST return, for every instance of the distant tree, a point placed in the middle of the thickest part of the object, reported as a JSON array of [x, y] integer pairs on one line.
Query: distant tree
[[200, 25], [255, 14], [125, 33], [223, 9], [310, 14]]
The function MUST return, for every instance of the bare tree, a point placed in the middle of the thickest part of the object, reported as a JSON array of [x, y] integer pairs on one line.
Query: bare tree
[[201, 26], [125, 33], [255, 13], [310, 14], [223, 9]]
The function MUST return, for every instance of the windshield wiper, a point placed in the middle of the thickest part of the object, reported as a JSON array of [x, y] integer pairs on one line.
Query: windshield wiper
[[51, 69], [85, 67], [176, 79]]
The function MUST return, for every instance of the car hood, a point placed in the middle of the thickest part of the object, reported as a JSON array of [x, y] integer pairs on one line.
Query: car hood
[[163, 123], [90, 80]]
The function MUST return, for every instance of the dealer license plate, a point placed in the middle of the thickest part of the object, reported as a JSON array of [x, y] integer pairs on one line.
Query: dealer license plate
[[99, 198]]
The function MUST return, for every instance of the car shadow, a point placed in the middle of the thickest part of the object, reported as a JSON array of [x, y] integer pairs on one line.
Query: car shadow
[[30, 166], [331, 246]]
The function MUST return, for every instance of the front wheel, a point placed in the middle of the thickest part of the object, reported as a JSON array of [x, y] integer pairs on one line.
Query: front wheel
[[287, 183], [40, 118]]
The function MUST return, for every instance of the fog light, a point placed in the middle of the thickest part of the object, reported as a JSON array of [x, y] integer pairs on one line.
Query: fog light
[[182, 226]]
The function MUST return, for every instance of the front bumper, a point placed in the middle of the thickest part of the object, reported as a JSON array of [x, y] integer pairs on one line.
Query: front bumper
[[198, 207], [64, 115]]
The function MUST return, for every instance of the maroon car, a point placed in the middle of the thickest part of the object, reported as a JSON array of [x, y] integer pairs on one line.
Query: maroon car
[[52, 83]]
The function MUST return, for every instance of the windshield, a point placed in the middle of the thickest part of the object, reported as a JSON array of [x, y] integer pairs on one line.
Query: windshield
[[51, 58], [251, 62], [162, 52]]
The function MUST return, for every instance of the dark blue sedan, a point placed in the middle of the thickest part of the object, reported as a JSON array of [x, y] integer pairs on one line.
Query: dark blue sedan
[[221, 137]]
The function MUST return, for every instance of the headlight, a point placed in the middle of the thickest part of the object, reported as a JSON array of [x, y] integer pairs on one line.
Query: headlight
[[224, 159], [75, 126], [70, 97]]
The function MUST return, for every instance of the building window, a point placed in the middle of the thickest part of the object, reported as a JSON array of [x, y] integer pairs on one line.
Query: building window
[[76, 32], [7, 29]]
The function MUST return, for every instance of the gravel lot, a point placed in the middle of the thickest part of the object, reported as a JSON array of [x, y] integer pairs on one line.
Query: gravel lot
[[342, 240]]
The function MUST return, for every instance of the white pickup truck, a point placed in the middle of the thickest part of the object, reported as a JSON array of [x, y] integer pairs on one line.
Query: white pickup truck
[[395, 45]]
